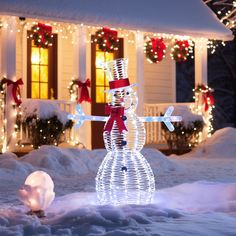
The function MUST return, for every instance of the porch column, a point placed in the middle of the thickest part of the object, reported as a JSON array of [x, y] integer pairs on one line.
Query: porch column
[[80, 66], [201, 76], [8, 70], [200, 61], [139, 42]]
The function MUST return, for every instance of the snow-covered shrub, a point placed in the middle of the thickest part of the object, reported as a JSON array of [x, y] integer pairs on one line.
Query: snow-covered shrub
[[44, 122], [186, 133]]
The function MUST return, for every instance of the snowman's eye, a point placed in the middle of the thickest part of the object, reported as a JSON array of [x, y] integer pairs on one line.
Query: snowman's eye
[[127, 93]]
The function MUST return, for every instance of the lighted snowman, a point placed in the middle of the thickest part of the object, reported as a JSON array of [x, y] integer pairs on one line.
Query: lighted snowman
[[124, 177]]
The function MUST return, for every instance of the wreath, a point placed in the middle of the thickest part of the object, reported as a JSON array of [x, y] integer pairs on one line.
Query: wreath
[[180, 50], [76, 86], [42, 35], [106, 39], [207, 96], [155, 50]]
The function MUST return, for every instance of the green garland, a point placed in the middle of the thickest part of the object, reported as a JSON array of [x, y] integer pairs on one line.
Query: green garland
[[106, 39], [42, 35], [180, 50]]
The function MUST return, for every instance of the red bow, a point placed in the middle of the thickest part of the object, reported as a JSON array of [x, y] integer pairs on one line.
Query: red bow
[[84, 93], [15, 89], [208, 100], [158, 47], [109, 33], [116, 114], [44, 29]]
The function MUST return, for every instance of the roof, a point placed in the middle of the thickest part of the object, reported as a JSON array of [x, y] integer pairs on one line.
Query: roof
[[182, 17]]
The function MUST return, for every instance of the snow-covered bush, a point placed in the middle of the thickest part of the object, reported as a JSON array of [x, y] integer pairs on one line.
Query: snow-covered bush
[[44, 122], [186, 133]]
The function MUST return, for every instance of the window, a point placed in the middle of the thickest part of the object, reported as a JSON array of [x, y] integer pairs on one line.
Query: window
[[102, 82], [39, 72]]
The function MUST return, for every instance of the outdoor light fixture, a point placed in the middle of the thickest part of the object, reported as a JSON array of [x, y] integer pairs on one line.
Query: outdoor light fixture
[[37, 193]]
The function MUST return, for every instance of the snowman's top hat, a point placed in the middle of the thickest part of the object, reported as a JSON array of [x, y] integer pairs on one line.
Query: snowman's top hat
[[117, 74]]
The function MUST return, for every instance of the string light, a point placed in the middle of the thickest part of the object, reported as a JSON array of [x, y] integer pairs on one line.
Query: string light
[[67, 31], [204, 104], [124, 177]]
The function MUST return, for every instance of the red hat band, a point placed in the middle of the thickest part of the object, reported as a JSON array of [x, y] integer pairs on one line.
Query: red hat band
[[115, 84]]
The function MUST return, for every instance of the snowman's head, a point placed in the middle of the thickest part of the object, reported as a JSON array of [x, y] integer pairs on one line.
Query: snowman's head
[[125, 97]]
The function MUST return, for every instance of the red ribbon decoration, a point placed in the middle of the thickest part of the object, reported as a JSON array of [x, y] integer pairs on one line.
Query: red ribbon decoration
[[208, 100], [119, 83], [116, 114], [109, 33], [15, 89], [158, 48], [84, 93], [44, 29], [207, 96]]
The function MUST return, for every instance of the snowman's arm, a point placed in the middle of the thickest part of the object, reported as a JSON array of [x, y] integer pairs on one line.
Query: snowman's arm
[[167, 118], [80, 117], [96, 118]]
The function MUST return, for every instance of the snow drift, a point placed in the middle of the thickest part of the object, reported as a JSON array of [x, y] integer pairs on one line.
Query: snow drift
[[222, 144]]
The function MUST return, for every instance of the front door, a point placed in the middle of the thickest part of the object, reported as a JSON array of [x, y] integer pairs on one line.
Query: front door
[[99, 85], [41, 70]]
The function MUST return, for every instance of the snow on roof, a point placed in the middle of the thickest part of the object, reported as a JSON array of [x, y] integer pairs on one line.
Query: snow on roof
[[182, 17]]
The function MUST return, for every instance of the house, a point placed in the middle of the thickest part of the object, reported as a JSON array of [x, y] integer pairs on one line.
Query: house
[[73, 55]]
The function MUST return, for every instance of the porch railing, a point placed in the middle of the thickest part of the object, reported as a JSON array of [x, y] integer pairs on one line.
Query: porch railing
[[153, 129]]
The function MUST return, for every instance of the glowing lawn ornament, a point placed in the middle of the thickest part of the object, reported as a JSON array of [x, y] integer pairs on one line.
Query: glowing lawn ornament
[[37, 192], [124, 177]]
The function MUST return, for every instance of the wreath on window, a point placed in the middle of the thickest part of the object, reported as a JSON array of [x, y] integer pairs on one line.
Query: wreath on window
[[180, 50], [106, 39], [155, 50], [42, 35]]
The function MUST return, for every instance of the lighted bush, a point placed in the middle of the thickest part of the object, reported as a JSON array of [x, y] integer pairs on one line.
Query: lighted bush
[[186, 133], [45, 131]]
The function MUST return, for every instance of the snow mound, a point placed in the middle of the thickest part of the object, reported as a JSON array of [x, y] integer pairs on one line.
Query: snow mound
[[10, 164], [43, 109], [71, 161], [66, 161], [80, 214], [200, 196], [222, 144], [159, 162]]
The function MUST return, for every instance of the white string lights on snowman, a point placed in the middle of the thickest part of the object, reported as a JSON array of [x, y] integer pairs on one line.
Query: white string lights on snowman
[[124, 175]]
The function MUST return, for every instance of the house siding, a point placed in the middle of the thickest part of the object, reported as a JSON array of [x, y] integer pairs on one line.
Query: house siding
[[159, 81], [65, 66]]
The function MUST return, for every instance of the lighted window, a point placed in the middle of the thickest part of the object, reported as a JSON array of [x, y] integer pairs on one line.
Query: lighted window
[[101, 80], [39, 72]]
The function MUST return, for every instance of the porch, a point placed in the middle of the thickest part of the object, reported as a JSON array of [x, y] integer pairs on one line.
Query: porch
[[76, 56], [70, 138]]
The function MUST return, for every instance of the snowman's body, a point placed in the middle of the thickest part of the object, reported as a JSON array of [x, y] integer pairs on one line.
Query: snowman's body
[[125, 177]]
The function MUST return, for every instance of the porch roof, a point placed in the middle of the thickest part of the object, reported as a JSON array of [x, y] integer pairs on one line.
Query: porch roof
[[182, 17]]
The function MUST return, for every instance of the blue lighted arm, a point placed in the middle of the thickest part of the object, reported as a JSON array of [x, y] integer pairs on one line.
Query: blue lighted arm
[[167, 118], [80, 117]]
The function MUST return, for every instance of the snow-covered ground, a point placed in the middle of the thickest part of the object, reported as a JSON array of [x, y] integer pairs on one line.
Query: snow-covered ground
[[196, 193]]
